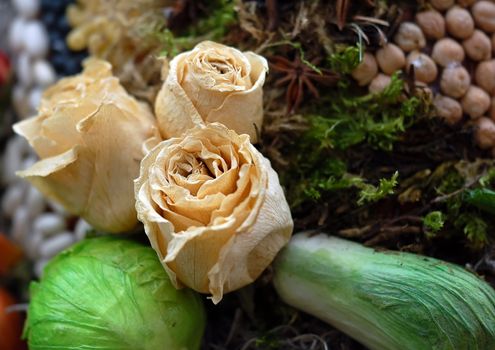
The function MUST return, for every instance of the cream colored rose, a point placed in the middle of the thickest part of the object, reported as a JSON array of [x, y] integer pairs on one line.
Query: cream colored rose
[[212, 83], [213, 209], [89, 134]]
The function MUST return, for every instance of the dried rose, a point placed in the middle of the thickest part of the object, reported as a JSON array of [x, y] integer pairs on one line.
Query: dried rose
[[89, 134], [212, 83], [213, 209]]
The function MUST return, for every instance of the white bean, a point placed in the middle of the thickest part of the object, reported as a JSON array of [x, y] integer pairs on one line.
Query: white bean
[[43, 72], [53, 245], [27, 8], [39, 266], [49, 224], [35, 202], [13, 197], [81, 228], [24, 69], [16, 30], [20, 225], [35, 39]]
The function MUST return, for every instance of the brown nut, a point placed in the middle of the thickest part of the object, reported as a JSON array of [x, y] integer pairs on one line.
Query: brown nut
[[410, 37], [459, 23], [485, 133], [447, 51], [478, 46], [455, 81], [442, 5], [475, 102], [390, 58], [465, 3], [485, 76], [493, 43], [492, 109], [366, 70], [484, 15], [425, 70], [431, 23], [448, 109], [379, 83]]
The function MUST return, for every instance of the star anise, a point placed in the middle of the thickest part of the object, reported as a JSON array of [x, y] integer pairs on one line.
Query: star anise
[[300, 75]]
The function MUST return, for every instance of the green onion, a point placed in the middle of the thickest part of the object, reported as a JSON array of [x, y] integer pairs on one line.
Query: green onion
[[387, 300]]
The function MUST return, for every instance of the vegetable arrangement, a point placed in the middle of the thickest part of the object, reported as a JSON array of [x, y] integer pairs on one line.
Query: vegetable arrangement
[[386, 300]]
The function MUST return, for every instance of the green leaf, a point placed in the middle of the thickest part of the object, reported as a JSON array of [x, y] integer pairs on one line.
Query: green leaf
[[434, 221], [482, 198], [370, 193]]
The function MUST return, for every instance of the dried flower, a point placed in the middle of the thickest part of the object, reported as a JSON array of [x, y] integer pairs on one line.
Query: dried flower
[[213, 209], [425, 70], [89, 134], [212, 83], [366, 70]]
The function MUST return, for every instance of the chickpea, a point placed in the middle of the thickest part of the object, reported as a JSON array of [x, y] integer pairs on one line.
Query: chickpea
[[390, 59], [442, 5], [475, 102], [485, 76], [478, 47], [425, 70], [459, 23], [379, 83], [431, 23], [410, 37], [448, 109], [485, 133], [455, 81], [447, 51], [484, 15], [366, 70]]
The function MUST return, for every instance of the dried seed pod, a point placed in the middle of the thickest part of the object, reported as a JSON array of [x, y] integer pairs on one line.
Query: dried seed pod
[[485, 133], [425, 70], [459, 23], [410, 37], [455, 81], [366, 70], [484, 15], [478, 46], [431, 23], [475, 102], [485, 76], [442, 5], [379, 83], [390, 58], [448, 109], [447, 51]]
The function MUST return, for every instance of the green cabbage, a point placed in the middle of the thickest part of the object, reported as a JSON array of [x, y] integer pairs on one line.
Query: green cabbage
[[387, 300], [111, 293]]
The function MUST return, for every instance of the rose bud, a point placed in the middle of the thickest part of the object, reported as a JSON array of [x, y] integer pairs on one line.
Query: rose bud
[[475, 102], [366, 70], [431, 23], [425, 70], [447, 51], [485, 76], [484, 15], [442, 5], [478, 47], [410, 37], [390, 58], [485, 133], [89, 134], [448, 109], [455, 81], [379, 83], [213, 209], [459, 23], [212, 83]]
